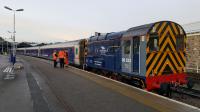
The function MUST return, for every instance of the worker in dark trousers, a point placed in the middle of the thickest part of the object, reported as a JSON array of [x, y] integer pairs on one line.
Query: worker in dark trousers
[[61, 56], [55, 57]]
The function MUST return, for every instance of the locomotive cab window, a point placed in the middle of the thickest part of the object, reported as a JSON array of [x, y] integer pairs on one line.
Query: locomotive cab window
[[127, 46], [153, 42], [180, 43]]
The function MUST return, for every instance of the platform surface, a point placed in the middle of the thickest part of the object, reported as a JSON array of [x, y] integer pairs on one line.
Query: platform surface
[[14, 93]]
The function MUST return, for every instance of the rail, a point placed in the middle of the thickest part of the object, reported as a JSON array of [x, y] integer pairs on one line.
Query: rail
[[189, 92]]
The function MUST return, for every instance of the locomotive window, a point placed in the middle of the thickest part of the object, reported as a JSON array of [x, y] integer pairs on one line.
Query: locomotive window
[[127, 46], [153, 42], [180, 43]]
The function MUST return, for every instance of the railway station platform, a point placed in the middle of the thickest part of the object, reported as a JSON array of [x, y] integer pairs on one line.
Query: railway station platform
[[38, 87]]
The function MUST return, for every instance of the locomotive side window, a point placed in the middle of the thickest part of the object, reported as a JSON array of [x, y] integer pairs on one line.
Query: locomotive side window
[[127, 46], [180, 43], [153, 42]]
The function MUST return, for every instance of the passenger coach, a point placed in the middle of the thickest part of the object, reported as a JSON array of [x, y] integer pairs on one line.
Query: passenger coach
[[75, 50]]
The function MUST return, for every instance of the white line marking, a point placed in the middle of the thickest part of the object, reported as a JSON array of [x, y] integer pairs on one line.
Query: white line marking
[[6, 70]]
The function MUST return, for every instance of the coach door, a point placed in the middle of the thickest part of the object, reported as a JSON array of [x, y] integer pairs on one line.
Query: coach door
[[126, 55]]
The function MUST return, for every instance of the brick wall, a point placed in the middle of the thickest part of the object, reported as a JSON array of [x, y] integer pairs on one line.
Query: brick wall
[[193, 52]]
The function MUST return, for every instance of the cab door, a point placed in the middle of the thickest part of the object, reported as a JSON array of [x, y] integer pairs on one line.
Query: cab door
[[127, 55], [136, 50]]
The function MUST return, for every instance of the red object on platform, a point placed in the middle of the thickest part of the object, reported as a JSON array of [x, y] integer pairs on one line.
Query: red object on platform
[[66, 61], [154, 82], [66, 58]]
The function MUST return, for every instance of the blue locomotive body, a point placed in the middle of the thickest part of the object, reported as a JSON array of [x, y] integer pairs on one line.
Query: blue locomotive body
[[104, 52]]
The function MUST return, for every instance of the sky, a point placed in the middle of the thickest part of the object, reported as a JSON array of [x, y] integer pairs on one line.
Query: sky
[[65, 20]]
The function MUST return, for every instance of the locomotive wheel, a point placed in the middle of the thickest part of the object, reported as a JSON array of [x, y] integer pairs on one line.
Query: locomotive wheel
[[142, 84], [165, 89], [190, 84]]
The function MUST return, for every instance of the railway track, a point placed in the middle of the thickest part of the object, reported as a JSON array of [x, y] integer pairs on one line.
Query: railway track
[[189, 92]]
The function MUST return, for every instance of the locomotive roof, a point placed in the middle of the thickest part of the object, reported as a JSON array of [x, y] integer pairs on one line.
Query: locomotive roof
[[134, 31], [108, 36], [139, 30]]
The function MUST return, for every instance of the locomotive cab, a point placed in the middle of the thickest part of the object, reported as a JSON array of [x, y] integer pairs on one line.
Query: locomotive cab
[[133, 55]]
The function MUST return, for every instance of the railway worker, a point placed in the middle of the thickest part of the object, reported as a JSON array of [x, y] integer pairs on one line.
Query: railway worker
[[61, 56], [55, 57]]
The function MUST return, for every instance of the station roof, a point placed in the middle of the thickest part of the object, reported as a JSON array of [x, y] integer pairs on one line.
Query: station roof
[[192, 27]]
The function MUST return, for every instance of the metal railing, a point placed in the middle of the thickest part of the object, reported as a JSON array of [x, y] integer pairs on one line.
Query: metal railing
[[196, 70]]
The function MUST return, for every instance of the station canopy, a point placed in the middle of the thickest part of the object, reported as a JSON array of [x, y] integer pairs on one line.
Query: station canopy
[[192, 27]]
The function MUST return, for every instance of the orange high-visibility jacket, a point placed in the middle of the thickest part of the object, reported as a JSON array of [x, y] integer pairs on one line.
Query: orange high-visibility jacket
[[54, 56], [61, 54]]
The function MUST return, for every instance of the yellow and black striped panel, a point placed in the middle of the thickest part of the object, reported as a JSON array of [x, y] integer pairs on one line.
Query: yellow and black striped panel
[[167, 59]]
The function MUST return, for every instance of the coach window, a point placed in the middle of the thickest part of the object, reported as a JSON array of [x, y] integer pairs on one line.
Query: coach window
[[127, 46], [153, 42], [180, 43], [76, 51]]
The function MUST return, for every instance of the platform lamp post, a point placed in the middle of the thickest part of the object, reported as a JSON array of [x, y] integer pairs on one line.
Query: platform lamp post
[[11, 37], [13, 54], [2, 46]]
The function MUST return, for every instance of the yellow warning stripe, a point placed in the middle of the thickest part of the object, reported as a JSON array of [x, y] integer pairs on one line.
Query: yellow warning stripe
[[152, 65], [183, 57], [179, 60], [174, 27], [161, 28], [165, 33], [155, 26], [165, 43], [160, 62], [150, 58], [174, 61], [167, 62]]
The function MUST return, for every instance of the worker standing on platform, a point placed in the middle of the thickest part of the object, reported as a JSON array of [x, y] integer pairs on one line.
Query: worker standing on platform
[[55, 57], [61, 56]]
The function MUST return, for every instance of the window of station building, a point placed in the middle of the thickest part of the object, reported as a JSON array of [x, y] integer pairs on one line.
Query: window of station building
[[153, 42], [180, 43], [127, 46]]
